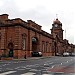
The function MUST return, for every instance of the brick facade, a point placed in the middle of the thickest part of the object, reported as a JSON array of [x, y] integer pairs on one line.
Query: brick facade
[[16, 33], [22, 38]]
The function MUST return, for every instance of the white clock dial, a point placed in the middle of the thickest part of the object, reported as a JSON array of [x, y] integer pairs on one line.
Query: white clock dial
[[56, 25]]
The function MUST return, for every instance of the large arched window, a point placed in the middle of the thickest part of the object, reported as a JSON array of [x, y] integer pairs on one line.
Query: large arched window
[[24, 41]]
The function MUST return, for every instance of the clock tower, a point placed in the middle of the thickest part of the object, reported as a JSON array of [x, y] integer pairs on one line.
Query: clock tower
[[57, 29]]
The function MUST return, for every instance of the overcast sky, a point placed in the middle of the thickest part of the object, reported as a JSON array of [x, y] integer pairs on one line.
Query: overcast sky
[[43, 12]]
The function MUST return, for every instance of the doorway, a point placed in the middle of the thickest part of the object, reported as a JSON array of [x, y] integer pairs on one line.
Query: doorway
[[34, 44], [10, 47]]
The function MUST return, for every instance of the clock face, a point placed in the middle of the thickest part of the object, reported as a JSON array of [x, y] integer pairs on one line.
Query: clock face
[[56, 25]]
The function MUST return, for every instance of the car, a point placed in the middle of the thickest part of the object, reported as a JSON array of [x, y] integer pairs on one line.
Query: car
[[58, 54], [66, 54], [73, 54], [36, 54]]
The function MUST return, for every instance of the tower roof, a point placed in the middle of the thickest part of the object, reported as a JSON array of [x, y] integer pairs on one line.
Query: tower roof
[[56, 21]]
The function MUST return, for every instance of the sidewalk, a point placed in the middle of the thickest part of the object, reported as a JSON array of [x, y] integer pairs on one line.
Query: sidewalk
[[28, 58], [33, 58]]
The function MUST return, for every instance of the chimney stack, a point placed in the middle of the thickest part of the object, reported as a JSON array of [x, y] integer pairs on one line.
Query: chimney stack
[[4, 17]]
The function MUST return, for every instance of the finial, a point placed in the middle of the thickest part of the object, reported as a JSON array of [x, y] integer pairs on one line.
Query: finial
[[56, 16]]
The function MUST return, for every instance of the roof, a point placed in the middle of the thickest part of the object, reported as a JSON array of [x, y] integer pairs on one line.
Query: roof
[[56, 21]]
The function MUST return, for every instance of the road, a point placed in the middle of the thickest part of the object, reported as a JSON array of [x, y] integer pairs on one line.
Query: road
[[44, 66]]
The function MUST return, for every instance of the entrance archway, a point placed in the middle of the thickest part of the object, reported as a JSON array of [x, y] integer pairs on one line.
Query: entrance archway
[[10, 47], [34, 44]]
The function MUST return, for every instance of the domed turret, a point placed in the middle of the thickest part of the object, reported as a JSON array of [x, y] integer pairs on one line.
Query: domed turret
[[56, 21]]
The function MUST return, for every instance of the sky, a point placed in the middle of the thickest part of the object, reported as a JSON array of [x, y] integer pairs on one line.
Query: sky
[[43, 12]]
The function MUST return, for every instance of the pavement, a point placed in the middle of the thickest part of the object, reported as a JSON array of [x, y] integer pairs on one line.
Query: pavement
[[28, 58], [33, 58]]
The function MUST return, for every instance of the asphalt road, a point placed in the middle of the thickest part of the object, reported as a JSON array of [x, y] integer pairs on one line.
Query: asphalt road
[[44, 66]]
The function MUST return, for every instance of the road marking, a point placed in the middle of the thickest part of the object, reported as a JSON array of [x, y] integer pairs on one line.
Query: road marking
[[59, 72], [33, 70], [17, 67], [20, 69], [4, 65], [61, 63], [52, 67], [51, 63], [9, 72], [29, 73], [28, 68], [47, 74], [29, 65], [9, 68]]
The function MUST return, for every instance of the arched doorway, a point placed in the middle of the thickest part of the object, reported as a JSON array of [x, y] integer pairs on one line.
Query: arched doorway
[[10, 47], [34, 44]]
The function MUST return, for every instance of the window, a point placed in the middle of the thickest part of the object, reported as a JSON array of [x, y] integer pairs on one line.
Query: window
[[23, 42], [43, 46], [46, 46], [50, 47]]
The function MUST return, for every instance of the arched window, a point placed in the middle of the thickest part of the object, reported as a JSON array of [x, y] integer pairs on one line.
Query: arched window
[[46, 46], [24, 41], [43, 46], [10, 45], [34, 40]]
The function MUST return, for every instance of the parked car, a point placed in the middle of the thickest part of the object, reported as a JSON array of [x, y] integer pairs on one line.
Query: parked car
[[58, 54], [36, 54], [73, 54], [66, 54]]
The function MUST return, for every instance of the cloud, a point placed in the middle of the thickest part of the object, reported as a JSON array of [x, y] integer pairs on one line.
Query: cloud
[[42, 12], [1, 3]]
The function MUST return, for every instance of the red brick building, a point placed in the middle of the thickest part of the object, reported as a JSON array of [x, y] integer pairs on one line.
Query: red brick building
[[21, 38], [61, 45], [57, 33]]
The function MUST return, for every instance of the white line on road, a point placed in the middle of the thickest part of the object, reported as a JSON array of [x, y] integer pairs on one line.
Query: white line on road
[[33, 70], [53, 66], [17, 67], [59, 72], [20, 69], [29, 73], [47, 74], [51, 63], [9, 72], [61, 63]]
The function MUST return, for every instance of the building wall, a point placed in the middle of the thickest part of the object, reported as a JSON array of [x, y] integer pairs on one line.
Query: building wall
[[14, 35], [20, 34]]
